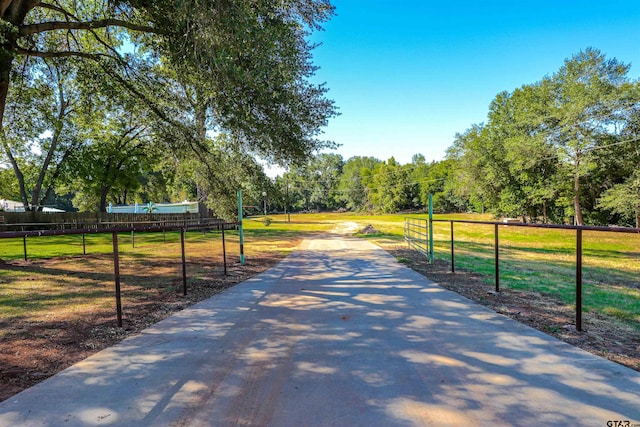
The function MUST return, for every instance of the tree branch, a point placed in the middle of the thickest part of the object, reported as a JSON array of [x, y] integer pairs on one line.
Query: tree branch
[[27, 30], [54, 8], [116, 54], [195, 145], [63, 54]]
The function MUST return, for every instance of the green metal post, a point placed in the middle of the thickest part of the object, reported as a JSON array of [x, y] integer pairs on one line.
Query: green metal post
[[431, 256], [240, 227]]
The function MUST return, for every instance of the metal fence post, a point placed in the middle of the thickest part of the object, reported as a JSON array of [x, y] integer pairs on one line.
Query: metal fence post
[[24, 246], [579, 279], [116, 269], [240, 231], [423, 235], [453, 263], [406, 238], [84, 245], [184, 264], [224, 252], [431, 254], [497, 256]]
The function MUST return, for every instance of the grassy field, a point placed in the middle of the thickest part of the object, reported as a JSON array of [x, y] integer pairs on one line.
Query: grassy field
[[531, 259], [538, 260]]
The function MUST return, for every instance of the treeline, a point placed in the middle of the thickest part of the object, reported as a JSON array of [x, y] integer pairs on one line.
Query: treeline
[[565, 149], [328, 182]]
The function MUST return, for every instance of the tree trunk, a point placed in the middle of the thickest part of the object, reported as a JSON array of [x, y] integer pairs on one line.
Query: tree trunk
[[37, 189], [201, 135], [544, 212], [638, 216], [13, 12], [104, 192], [6, 62], [578, 220]]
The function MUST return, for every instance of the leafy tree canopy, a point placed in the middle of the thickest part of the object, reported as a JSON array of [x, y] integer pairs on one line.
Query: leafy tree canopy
[[248, 62]]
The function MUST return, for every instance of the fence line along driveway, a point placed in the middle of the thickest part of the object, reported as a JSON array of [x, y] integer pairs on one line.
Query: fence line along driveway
[[338, 334]]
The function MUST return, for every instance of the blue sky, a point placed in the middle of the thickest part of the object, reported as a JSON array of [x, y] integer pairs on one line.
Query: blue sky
[[408, 75]]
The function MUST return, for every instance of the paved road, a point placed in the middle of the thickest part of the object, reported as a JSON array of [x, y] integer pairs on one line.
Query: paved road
[[339, 334]]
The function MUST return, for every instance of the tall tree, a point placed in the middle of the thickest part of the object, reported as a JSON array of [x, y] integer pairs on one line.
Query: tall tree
[[480, 166], [587, 97], [541, 134], [253, 55], [41, 131], [518, 121]]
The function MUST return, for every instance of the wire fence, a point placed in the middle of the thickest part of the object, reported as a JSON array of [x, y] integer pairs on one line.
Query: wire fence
[[116, 228], [417, 237]]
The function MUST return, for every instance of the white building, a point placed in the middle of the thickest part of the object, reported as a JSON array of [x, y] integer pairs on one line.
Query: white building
[[156, 208], [11, 206]]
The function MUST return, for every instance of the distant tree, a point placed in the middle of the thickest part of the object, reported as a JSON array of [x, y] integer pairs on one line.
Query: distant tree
[[352, 188], [315, 183], [624, 198], [389, 186], [109, 169], [440, 183]]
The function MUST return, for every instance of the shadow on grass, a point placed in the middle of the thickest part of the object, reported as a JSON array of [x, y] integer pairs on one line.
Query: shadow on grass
[[75, 287]]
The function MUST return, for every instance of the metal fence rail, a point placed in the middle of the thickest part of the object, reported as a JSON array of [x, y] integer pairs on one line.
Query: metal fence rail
[[577, 228], [10, 218]]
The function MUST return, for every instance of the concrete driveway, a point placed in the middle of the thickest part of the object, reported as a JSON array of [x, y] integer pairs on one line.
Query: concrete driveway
[[339, 334]]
